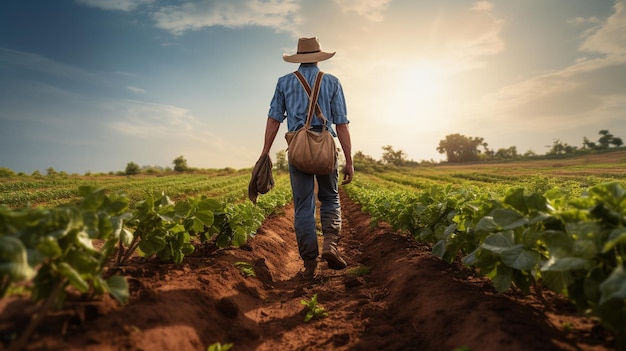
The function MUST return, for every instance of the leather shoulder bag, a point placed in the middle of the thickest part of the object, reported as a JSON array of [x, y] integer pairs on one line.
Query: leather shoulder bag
[[310, 151]]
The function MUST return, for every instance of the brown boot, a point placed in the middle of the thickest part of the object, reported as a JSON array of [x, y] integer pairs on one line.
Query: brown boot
[[309, 269], [330, 254]]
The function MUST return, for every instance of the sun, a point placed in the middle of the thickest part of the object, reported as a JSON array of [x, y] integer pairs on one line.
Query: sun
[[419, 89]]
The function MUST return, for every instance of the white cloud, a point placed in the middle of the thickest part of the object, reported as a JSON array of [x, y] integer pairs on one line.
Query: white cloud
[[136, 90], [37, 63], [589, 92], [277, 14], [372, 10], [582, 20], [483, 6], [150, 120], [151, 129], [610, 37], [119, 5]]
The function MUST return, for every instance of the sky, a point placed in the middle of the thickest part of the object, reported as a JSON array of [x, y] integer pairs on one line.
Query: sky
[[91, 85]]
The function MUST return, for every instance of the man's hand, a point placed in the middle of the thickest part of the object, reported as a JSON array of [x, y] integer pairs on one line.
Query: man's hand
[[348, 173]]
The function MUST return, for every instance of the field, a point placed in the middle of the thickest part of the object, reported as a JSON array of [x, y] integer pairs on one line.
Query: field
[[405, 288]]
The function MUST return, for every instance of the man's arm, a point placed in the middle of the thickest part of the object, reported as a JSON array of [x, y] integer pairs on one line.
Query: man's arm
[[271, 129], [343, 134]]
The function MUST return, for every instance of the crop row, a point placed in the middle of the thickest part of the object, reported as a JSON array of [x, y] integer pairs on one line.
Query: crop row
[[55, 191], [54, 246], [573, 244]]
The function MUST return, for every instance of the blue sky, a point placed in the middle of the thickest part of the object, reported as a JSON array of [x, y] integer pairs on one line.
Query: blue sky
[[90, 85]]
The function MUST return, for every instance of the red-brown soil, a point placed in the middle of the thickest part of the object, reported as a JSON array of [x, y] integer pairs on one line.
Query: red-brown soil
[[409, 300]]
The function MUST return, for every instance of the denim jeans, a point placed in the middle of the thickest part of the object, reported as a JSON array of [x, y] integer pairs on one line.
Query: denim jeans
[[303, 189]]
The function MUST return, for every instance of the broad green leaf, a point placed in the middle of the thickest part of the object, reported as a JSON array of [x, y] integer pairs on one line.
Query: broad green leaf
[[83, 261], [591, 287], [615, 286], [508, 219], [558, 242], [187, 249], [49, 247], [556, 280], [84, 240], [617, 236], [564, 264], [118, 288], [612, 193], [205, 217], [470, 260], [530, 237], [451, 229], [536, 202], [585, 249], [73, 277], [211, 205], [515, 198], [152, 245], [126, 237], [503, 278], [92, 198], [182, 208], [486, 224], [85, 190], [520, 258], [14, 259], [240, 237], [497, 243], [439, 249], [193, 225]]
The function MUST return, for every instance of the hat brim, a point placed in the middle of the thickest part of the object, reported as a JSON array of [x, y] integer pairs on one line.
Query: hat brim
[[307, 58]]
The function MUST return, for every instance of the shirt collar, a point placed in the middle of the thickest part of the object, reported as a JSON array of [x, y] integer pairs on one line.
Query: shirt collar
[[308, 67]]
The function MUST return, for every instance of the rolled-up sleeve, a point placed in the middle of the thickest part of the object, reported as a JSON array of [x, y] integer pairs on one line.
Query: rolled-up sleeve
[[338, 108], [278, 109]]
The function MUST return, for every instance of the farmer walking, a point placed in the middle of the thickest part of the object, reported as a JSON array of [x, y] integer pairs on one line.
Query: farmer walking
[[291, 102]]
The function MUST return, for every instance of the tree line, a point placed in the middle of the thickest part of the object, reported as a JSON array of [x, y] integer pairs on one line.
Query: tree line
[[459, 148]]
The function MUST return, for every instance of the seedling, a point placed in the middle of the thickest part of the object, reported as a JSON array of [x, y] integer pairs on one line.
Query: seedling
[[219, 347], [246, 269], [315, 310], [359, 271]]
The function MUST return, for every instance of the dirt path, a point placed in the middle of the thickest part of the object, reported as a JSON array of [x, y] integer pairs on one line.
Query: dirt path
[[409, 301]]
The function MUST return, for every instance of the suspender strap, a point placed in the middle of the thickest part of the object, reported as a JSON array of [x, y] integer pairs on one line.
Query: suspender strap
[[313, 95]]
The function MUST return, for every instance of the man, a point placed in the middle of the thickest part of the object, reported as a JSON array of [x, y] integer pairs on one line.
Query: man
[[290, 102]]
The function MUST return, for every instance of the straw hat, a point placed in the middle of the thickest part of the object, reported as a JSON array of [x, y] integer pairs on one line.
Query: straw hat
[[309, 50]]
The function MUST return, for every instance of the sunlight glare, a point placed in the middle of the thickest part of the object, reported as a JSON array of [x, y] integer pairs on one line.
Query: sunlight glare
[[419, 92]]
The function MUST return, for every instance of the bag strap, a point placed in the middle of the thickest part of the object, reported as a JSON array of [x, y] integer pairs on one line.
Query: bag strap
[[313, 96]]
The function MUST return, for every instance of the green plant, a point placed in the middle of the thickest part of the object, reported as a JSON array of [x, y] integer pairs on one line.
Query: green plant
[[54, 248], [246, 269], [359, 271], [219, 347], [315, 310]]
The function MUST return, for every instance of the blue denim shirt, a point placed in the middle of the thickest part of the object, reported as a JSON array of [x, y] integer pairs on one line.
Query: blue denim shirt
[[290, 100]]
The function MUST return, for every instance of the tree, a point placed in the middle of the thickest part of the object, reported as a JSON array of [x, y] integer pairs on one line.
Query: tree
[[363, 162], [459, 148], [529, 153], [6, 172], [180, 164], [392, 157], [510, 152], [560, 148], [604, 142], [131, 168]]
